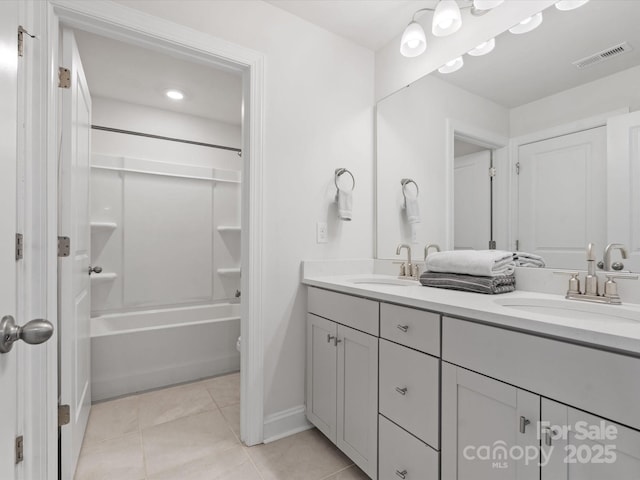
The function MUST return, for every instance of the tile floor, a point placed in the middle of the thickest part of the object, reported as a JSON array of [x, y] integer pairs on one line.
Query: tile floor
[[191, 432]]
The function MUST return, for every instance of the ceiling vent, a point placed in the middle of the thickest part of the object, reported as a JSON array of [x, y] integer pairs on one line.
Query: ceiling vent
[[600, 57]]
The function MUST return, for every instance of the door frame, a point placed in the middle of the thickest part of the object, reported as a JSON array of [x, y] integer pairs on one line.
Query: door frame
[[123, 23], [455, 128]]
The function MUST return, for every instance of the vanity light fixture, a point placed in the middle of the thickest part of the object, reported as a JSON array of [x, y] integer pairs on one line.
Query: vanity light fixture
[[566, 5], [483, 48], [447, 18], [528, 24], [174, 94], [452, 66], [414, 41]]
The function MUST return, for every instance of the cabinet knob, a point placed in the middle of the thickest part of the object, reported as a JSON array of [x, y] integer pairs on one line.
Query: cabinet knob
[[404, 328], [401, 391], [523, 424], [401, 474]]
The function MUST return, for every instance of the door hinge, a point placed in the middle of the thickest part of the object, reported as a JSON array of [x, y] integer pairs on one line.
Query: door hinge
[[19, 246], [64, 415], [517, 245], [492, 172], [21, 32], [64, 246], [518, 168], [64, 77], [492, 244], [19, 449]]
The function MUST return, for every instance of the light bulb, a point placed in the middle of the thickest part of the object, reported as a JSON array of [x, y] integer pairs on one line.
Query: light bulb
[[452, 65], [414, 41], [174, 94], [483, 48], [446, 18], [566, 5], [528, 24], [486, 4]]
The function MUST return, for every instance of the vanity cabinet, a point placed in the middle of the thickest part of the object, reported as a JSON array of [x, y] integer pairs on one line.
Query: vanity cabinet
[[342, 375], [482, 418]]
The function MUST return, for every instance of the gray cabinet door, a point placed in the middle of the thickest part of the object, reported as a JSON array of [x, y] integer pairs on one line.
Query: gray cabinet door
[[321, 374], [586, 447], [482, 437], [357, 426]]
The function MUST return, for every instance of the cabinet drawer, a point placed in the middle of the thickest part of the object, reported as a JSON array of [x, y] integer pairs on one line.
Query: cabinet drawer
[[354, 312], [587, 378], [409, 390], [404, 456], [414, 328]]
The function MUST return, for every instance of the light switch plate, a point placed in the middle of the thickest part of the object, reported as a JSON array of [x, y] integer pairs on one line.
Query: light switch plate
[[322, 234]]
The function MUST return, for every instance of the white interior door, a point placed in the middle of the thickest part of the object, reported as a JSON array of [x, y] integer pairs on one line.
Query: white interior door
[[562, 193], [472, 201], [623, 177], [8, 151], [75, 287]]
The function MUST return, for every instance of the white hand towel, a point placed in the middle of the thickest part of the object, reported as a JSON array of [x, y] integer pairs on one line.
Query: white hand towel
[[411, 205], [483, 263], [345, 204], [526, 259]]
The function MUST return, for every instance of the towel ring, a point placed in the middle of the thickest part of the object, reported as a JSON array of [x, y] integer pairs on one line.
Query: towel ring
[[406, 181], [339, 172]]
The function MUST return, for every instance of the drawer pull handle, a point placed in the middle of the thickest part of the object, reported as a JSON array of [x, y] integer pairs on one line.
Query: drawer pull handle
[[523, 424], [330, 337], [337, 341], [401, 474], [548, 436], [404, 328], [401, 391]]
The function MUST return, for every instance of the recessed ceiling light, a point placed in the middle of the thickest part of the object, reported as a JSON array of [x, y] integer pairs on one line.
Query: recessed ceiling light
[[174, 94]]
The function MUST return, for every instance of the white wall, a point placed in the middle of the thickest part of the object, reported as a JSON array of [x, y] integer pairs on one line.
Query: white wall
[[604, 95], [411, 143], [318, 116], [166, 249], [393, 71]]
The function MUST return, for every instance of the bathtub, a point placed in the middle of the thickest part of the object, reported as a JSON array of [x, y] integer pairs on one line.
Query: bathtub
[[136, 351]]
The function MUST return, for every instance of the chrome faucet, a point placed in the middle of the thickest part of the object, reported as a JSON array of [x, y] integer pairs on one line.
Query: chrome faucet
[[606, 264], [407, 269], [590, 293], [429, 247]]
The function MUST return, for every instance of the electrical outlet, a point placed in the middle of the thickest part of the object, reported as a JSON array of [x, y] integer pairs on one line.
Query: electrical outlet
[[322, 234]]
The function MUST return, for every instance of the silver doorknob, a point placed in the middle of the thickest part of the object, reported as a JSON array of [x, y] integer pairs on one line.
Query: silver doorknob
[[34, 332], [94, 269]]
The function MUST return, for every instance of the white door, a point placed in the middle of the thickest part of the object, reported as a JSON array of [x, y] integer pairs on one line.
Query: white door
[[623, 194], [482, 420], [321, 374], [357, 425], [472, 201], [75, 288], [562, 185], [593, 449], [8, 151]]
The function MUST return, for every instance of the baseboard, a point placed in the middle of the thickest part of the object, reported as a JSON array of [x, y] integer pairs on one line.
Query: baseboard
[[287, 422]]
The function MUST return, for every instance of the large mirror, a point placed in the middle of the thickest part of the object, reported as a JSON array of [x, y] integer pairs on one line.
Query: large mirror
[[533, 147]]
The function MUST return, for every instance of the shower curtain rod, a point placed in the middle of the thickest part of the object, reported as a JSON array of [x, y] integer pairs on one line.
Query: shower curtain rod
[[160, 137]]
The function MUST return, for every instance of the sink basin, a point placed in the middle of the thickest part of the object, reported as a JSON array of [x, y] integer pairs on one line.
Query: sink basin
[[571, 309], [397, 282]]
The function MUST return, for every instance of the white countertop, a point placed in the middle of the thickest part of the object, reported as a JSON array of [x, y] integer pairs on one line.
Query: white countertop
[[620, 334]]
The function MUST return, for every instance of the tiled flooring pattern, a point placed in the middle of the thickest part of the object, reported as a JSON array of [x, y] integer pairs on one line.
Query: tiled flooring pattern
[[191, 432]]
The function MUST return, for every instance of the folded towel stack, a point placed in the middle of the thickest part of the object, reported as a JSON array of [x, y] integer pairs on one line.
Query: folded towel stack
[[470, 283], [479, 271], [483, 263], [524, 259]]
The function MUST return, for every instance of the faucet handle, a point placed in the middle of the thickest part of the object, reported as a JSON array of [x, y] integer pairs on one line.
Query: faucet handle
[[574, 281], [611, 287]]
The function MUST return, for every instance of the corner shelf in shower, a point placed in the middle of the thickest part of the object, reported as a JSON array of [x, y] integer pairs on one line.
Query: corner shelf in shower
[[103, 226], [103, 277], [229, 271], [227, 228]]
